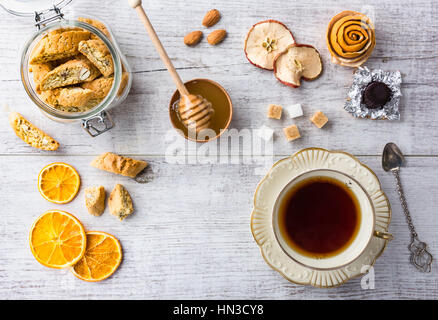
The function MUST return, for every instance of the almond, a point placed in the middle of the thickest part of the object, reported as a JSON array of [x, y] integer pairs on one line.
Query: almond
[[216, 37], [193, 38], [211, 18]]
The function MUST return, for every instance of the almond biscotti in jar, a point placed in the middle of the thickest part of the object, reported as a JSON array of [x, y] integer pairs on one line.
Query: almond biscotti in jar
[[71, 67]]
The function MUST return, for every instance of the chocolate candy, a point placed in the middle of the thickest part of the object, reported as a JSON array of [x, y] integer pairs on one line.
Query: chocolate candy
[[376, 95]]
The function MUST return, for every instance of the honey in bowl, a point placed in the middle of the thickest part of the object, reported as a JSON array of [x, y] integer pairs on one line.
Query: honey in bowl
[[319, 217], [213, 93]]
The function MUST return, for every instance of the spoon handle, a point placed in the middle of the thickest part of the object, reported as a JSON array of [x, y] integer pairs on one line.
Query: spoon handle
[[137, 5], [420, 257]]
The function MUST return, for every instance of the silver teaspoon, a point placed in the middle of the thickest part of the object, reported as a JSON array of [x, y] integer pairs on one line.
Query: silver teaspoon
[[392, 160]]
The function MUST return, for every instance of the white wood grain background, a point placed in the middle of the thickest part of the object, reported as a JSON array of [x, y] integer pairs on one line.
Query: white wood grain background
[[190, 236]]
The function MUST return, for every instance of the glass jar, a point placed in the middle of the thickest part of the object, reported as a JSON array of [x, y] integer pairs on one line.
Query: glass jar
[[95, 120]]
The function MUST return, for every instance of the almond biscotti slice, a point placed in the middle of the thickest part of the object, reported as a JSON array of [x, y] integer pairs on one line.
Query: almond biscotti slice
[[39, 71], [97, 52], [97, 24], [62, 30], [72, 72], [120, 202], [30, 134], [123, 83], [100, 86], [92, 103], [119, 165], [103, 85], [70, 99], [57, 46], [95, 200], [57, 63]]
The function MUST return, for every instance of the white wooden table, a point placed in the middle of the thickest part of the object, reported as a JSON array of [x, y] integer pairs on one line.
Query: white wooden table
[[190, 235]]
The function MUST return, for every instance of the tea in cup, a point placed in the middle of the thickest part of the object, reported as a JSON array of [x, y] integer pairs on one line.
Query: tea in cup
[[324, 219]]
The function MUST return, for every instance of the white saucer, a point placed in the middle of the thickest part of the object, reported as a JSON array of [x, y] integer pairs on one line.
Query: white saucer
[[281, 173]]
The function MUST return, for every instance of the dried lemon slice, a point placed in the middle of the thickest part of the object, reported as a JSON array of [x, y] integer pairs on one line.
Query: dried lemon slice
[[101, 259], [57, 239], [58, 182]]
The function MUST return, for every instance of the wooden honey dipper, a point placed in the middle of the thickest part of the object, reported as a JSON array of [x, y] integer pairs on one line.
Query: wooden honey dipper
[[194, 111]]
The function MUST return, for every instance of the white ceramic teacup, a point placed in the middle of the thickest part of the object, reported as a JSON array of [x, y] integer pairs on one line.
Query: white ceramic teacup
[[366, 229]]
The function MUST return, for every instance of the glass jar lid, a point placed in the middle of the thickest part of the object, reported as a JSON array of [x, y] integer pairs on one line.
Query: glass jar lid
[[28, 8]]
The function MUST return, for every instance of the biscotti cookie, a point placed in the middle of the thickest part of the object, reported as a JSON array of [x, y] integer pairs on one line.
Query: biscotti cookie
[[92, 103], [57, 46], [97, 24], [57, 63], [71, 99], [39, 71], [62, 30], [120, 202], [72, 72], [30, 134], [123, 83], [95, 200], [101, 86], [119, 165], [97, 52]]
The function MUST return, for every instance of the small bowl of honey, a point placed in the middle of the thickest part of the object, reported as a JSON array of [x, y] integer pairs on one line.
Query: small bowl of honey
[[221, 104]]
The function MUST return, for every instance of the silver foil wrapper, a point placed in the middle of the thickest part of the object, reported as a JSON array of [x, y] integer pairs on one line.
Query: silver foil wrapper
[[362, 77]]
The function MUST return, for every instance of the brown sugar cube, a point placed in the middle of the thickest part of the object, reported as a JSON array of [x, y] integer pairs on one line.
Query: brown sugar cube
[[319, 119], [291, 133], [274, 111]]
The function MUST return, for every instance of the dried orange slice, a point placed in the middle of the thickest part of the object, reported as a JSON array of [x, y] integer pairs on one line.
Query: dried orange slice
[[58, 182], [350, 38], [101, 259], [57, 239]]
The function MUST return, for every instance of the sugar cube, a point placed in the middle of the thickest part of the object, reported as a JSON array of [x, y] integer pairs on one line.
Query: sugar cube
[[291, 133], [319, 119], [265, 133], [295, 111], [274, 111]]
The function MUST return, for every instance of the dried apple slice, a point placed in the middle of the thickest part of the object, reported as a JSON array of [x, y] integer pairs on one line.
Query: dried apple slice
[[265, 41], [295, 62]]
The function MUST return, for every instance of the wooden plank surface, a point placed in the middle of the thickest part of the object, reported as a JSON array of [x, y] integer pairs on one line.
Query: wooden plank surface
[[190, 237]]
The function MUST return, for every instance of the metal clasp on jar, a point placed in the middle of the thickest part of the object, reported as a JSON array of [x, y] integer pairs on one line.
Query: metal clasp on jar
[[99, 124], [44, 17]]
